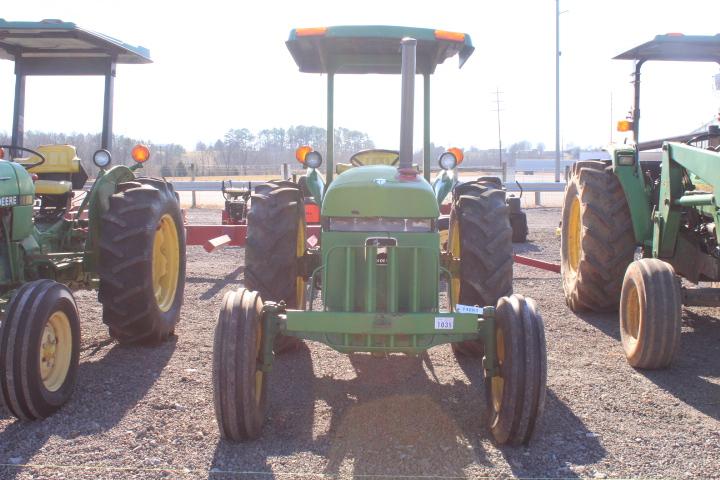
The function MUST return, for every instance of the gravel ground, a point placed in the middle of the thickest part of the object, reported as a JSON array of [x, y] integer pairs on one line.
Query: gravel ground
[[147, 412]]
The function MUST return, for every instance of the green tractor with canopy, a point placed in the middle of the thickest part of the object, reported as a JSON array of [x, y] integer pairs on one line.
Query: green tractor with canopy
[[386, 284], [664, 211], [123, 237]]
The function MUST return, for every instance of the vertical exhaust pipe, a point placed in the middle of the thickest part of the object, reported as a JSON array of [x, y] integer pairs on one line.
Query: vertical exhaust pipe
[[407, 71]]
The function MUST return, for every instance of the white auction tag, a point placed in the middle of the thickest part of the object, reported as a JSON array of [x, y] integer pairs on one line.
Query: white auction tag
[[468, 309], [444, 323]]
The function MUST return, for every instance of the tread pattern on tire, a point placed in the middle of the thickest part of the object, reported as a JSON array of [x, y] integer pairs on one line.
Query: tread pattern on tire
[[21, 386], [660, 313], [271, 266], [130, 309], [486, 266], [607, 238], [524, 371], [238, 415]]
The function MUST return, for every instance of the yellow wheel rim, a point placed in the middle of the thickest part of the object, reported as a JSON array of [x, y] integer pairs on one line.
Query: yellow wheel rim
[[498, 382], [632, 315], [258, 372], [165, 262], [454, 248], [574, 230], [55, 351], [299, 280]]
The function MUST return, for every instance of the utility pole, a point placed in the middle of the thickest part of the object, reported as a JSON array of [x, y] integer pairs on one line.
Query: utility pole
[[497, 109], [557, 90]]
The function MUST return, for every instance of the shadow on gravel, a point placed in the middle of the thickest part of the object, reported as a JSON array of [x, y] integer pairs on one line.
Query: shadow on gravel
[[697, 360], [560, 440], [384, 416], [232, 278], [607, 323], [106, 390], [527, 247]]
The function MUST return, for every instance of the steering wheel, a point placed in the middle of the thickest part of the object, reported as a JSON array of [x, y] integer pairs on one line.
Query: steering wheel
[[356, 161], [37, 154]]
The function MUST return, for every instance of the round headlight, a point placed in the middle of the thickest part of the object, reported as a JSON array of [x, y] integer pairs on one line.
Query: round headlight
[[102, 158], [447, 161], [313, 159]]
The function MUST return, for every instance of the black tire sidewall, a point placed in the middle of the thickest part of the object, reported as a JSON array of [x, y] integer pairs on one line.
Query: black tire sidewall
[[150, 324], [31, 311]]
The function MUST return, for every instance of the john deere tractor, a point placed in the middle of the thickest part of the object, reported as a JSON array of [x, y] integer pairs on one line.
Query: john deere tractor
[[123, 237], [664, 211], [374, 283]]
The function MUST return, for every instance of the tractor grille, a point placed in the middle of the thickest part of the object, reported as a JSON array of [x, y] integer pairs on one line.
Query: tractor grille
[[381, 276]]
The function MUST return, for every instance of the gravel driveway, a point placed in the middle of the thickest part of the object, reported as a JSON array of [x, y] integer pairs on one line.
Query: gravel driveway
[[147, 412]]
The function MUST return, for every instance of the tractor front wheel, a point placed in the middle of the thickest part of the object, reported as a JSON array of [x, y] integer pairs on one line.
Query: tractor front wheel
[[142, 262], [239, 385], [516, 395], [650, 314], [39, 349]]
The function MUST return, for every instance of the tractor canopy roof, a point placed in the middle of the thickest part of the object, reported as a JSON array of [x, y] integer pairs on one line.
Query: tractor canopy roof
[[55, 41], [677, 47], [373, 48]]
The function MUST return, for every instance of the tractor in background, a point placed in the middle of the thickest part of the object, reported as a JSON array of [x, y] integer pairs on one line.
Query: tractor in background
[[373, 284], [123, 237], [236, 203], [663, 211]]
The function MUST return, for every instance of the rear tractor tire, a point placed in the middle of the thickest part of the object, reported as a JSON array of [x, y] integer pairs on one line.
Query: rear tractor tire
[[142, 262], [650, 314], [274, 246], [481, 236], [239, 385], [597, 241], [39, 349], [516, 396]]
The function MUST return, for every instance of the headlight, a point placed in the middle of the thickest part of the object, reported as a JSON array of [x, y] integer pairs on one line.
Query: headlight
[[313, 159], [626, 160], [447, 161], [102, 158]]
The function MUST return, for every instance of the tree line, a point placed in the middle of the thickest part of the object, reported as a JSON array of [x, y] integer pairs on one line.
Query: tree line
[[240, 151]]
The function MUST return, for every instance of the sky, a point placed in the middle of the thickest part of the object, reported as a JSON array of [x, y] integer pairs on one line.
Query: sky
[[221, 64]]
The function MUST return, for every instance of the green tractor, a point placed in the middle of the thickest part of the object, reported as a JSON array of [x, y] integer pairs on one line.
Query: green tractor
[[123, 237], [667, 209], [379, 265]]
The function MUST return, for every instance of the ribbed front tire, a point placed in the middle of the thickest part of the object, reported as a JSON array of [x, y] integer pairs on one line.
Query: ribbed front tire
[[650, 314], [516, 396], [239, 385], [39, 349]]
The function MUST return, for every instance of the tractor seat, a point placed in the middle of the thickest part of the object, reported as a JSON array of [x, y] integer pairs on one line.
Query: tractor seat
[[235, 191], [52, 187], [58, 159], [56, 175]]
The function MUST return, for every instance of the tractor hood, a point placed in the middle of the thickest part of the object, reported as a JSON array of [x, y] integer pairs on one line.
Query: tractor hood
[[376, 191], [15, 181]]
